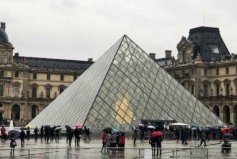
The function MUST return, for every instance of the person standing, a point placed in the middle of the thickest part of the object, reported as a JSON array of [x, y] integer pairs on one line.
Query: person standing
[[22, 138], [28, 133], [70, 136], [158, 144], [36, 132], [152, 142], [3, 133], [103, 141], [77, 136], [41, 133], [12, 145], [122, 142]]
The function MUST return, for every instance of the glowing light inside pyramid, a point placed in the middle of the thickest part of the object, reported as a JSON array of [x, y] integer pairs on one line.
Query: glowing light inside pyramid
[[124, 114]]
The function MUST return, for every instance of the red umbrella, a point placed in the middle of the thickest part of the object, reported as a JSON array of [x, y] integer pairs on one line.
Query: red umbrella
[[225, 131], [78, 126], [157, 133]]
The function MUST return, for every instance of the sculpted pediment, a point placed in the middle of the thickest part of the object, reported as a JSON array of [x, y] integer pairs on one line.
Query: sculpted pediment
[[184, 43]]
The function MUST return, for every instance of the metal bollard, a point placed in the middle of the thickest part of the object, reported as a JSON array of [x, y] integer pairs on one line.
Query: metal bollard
[[68, 153], [28, 153], [139, 152]]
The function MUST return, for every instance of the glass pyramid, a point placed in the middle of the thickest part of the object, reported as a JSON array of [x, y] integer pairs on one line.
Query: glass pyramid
[[123, 87]]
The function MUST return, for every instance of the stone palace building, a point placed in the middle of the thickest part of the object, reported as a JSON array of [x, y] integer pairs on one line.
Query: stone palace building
[[29, 84], [204, 66]]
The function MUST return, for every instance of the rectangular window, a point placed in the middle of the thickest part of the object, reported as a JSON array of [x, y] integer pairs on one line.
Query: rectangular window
[[48, 76], [227, 89], [1, 73], [227, 70], [192, 89], [1, 90], [205, 72], [205, 91], [48, 92], [16, 91], [217, 90], [74, 77], [217, 71], [62, 77]]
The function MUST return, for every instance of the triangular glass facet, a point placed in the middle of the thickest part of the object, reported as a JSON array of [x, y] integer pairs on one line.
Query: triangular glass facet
[[122, 88]]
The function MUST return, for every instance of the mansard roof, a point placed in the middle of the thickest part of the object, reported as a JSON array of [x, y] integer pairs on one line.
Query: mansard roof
[[36, 62], [209, 43]]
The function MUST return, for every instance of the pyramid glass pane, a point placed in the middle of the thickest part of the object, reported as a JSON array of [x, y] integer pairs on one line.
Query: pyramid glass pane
[[122, 88]]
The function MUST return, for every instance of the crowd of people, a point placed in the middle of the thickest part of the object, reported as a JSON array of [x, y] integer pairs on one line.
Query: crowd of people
[[113, 141]]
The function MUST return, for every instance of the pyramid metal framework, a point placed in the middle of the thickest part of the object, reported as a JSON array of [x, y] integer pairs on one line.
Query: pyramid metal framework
[[123, 87]]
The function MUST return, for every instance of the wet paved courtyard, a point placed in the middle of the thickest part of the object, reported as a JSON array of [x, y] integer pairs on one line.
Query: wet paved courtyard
[[92, 150]]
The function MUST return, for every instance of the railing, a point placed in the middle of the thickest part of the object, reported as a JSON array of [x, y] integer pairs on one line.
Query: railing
[[128, 153]]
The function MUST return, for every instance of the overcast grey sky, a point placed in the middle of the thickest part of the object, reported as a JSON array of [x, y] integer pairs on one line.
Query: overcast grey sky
[[79, 29]]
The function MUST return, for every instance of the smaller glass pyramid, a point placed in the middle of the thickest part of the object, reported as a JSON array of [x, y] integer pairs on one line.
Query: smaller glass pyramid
[[123, 87]]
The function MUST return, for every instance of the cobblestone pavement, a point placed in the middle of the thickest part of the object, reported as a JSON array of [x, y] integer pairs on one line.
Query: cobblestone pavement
[[91, 150]]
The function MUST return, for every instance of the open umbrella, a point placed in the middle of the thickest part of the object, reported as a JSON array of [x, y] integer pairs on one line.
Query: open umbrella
[[13, 134], [226, 131], [157, 133], [151, 127], [68, 127], [115, 130], [58, 128], [178, 124], [141, 125], [78, 126], [107, 130], [206, 129]]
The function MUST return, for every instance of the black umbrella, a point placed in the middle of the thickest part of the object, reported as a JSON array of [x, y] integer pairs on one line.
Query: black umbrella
[[22, 128], [68, 127], [107, 130], [13, 134]]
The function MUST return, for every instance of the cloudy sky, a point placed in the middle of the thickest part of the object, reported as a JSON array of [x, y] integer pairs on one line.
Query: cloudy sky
[[79, 29]]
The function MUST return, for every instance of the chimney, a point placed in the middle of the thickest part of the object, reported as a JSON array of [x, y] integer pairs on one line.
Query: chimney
[[3, 25], [168, 53], [90, 59], [16, 54], [152, 55]]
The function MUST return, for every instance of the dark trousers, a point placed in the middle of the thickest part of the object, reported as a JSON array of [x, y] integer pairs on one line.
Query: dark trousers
[[202, 141]]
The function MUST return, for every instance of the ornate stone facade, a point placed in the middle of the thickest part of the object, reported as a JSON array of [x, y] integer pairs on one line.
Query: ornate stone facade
[[29, 84], [208, 71]]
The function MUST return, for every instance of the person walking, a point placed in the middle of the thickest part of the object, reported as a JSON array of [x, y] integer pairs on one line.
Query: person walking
[[36, 132], [203, 139], [135, 136], [22, 138]]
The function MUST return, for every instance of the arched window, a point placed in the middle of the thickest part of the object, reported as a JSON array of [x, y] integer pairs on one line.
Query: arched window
[[226, 114], [216, 111], [61, 88], [15, 112], [16, 74], [34, 111]]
